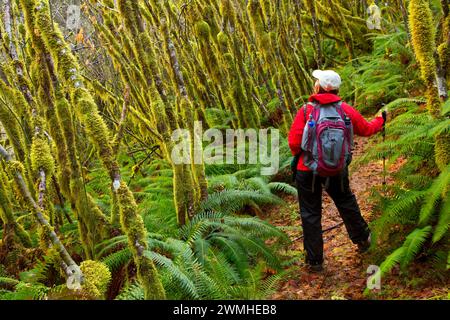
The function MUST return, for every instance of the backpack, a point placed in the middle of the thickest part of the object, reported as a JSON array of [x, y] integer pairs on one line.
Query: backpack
[[327, 139]]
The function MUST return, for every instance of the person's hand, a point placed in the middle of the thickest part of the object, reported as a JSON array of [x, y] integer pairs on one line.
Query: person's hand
[[382, 113]]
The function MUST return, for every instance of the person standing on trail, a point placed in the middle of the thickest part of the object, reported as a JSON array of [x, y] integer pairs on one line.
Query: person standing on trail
[[321, 140]]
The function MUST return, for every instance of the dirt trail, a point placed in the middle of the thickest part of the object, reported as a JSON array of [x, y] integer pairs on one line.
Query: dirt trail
[[345, 270]]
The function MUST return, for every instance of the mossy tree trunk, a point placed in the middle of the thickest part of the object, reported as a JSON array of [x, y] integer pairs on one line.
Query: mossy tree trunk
[[423, 40]]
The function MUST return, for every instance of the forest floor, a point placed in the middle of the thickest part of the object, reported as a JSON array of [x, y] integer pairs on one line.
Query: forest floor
[[345, 274]]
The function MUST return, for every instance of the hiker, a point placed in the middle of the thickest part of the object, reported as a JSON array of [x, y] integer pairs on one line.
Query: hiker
[[321, 139]]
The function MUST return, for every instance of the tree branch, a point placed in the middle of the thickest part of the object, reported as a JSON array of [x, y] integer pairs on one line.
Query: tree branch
[[65, 256]]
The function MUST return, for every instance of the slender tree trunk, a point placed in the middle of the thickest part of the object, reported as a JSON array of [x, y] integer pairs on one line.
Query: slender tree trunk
[[63, 253], [317, 37]]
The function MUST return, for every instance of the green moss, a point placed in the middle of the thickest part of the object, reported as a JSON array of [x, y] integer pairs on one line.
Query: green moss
[[256, 17], [10, 119], [96, 127], [98, 221], [227, 11], [41, 156], [442, 150], [103, 93], [29, 28], [66, 63], [88, 214], [444, 56], [64, 118], [44, 239], [133, 226], [222, 40], [23, 235], [7, 215], [181, 191], [266, 42], [22, 30], [96, 278], [423, 34], [115, 211], [229, 62], [209, 14], [203, 30], [15, 167]]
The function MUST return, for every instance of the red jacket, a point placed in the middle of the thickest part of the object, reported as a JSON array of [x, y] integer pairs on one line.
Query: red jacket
[[361, 126]]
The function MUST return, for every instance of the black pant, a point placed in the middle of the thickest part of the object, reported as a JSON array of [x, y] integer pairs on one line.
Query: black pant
[[310, 199]]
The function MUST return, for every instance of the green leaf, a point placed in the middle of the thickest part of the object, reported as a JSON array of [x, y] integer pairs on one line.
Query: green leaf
[[413, 243]]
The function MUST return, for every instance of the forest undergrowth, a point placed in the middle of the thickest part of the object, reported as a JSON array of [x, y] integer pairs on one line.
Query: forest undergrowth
[[93, 204]]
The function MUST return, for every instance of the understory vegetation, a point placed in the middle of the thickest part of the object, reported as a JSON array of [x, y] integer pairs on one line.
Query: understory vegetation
[[92, 203]]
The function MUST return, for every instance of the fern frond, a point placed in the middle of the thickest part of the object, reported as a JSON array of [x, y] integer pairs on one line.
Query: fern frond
[[391, 260], [233, 252], [230, 201], [8, 283], [256, 247], [446, 108], [255, 226], [444, 221], [270, 285], [110, 244], [443, 127], [207, 286], [283, 187], [220, 268], [132, 292], [227, 181], [403, 205], [402, 103], [185, 284], [201, 250], [258, 183], [116, 260], [413, 243], [434, 194]]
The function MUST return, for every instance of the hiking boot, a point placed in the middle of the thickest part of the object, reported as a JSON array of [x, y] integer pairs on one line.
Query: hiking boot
[[315, 268], [365, 245]]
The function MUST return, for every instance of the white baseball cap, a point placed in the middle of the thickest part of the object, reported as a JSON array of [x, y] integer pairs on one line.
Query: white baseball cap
[[328, 79]]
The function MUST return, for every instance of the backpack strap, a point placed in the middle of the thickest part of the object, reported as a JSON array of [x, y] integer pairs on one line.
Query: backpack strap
[[340, 110], [315, 107], [296, 158], [304, 111]]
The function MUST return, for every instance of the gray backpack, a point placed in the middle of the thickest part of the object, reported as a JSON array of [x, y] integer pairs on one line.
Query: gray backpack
[[327, 139]]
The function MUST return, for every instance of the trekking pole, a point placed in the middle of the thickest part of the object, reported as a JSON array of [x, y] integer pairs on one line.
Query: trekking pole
[[384, 115], [325, 230]]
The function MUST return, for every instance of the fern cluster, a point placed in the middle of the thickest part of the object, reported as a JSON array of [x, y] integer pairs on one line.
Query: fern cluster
[[420, 198], [221, 253], [216, 256]]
